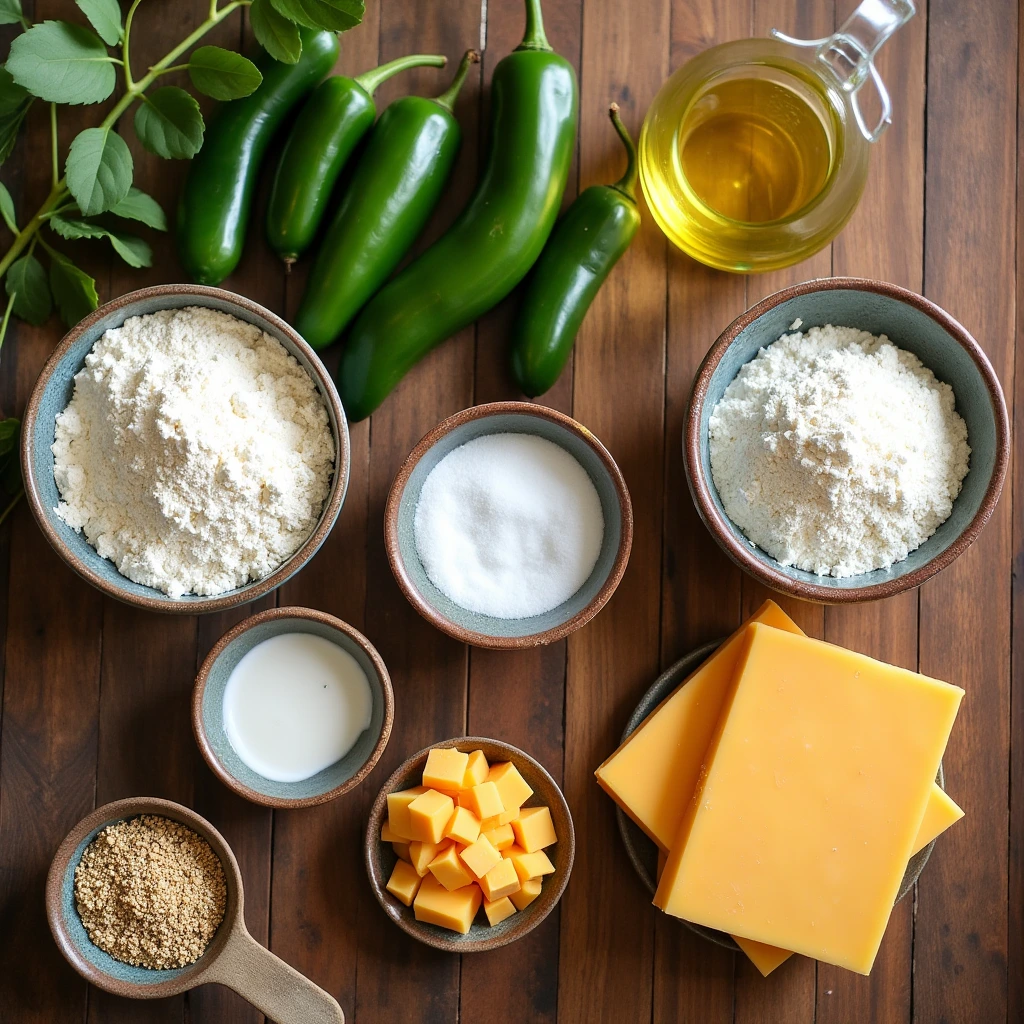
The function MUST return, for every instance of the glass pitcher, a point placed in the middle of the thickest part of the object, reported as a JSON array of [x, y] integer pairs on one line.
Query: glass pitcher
[[754, 154]]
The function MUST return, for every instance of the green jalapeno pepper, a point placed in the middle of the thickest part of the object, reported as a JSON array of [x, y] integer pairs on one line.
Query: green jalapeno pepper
[[217, 196], [338, 114], [397, 183], [496, 239], [586, 243]]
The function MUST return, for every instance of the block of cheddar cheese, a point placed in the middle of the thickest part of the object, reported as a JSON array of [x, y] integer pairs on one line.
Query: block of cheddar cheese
[[814, 788], [455, 910]]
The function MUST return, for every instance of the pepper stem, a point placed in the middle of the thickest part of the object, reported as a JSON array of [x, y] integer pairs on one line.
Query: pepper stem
[[534, 37], [627, 183], [448, 97], [370, 80]]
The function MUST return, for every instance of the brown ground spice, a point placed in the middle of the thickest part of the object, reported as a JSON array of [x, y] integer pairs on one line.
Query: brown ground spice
[[150, 892]]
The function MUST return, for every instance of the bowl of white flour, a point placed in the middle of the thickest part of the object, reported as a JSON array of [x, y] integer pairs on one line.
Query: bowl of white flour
[[184, 450], [846, 440]]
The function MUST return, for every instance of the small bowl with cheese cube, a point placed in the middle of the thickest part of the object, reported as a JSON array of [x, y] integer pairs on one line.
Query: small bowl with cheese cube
[[469, 845]]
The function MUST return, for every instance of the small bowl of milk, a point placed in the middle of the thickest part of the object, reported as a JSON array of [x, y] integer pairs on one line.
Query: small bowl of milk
[[292, 708]]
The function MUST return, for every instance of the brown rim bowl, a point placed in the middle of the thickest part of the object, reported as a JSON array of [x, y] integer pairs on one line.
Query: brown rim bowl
[[486, 630], [911, 322], [208, 710], [53, 391], [381, 859]]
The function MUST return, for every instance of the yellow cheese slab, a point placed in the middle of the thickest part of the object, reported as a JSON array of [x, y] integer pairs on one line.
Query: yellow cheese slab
[[815, 786], [653, 774], [455, 910]]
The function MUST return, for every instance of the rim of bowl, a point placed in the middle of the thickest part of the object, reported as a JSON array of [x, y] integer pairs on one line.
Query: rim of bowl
[[776, 579], [203, 740], [442, 622], [257, 588], [404, 918], [122, 810]]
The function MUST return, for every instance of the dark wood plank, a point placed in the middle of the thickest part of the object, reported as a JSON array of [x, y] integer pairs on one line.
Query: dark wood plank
[[960, 961]]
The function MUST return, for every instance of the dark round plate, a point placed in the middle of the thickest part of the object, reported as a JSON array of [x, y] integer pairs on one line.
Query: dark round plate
[[643, 853]]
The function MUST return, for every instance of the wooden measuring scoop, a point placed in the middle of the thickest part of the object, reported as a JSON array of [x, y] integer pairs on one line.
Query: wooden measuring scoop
[[234, 958]]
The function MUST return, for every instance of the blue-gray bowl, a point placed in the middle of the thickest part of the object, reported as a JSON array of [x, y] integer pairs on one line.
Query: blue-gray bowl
[[486, 630], [911, 322], [54, 389], [208, 709]]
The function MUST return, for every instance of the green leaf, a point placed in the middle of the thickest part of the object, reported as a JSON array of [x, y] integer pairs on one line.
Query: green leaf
[[99, 170], [62, 63], [74, 290], [223, 74], [336, 15], [275, 33], [7, 209], [133, 250], [14, 104], [74, 227], [141, 207], [11, 12], [26, 281], [169, 123], [105, 17], [9, 430]]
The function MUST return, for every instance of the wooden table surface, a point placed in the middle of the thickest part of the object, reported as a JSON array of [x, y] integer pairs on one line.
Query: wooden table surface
[[96, 694]]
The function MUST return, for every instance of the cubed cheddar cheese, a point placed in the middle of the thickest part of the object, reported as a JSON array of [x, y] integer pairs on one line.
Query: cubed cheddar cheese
[[501, 837], [480, 857], [455, 909], [534, 829], [483, 800], [511, 785], [421, 854], [497, 820], [404, 882], [398, 811], [401, 851], [387, 836], [498, 910], [448, 869], [445, 769], [501, 880], [531, 865], [429, 813], [463, 826], [528, 892], [476, 770]]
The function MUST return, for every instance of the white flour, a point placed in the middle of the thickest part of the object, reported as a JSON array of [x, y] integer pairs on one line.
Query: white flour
[[195, 453], [836, 452]]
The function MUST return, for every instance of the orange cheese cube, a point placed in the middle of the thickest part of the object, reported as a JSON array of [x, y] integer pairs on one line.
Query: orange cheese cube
[[401, 851], [501, 880], [512, 851], [483, 800], [455, 909], [498, 910], [497, 820], [534, 829], [501, 837], [511, 785], [398, 811], [429, 813], [449, 870], [480, 857], [531, 865], [421, 854], [387, 836], [403, 883], [476, 770], [463, 826], [528, 892], [445, 769]]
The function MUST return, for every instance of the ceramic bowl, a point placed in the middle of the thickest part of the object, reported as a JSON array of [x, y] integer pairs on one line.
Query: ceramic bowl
[[53, 391], [642, 851], [208, 709], [486, 630], [911, 322], [381, 859]]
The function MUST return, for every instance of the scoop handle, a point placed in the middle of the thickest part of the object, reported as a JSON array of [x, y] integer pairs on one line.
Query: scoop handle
[[267, 982]]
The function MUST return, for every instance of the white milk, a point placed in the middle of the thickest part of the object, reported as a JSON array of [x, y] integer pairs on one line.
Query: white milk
[[294, 705]]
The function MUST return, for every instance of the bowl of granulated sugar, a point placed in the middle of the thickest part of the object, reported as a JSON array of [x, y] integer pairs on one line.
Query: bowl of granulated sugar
[[846, 440], [509, 525]]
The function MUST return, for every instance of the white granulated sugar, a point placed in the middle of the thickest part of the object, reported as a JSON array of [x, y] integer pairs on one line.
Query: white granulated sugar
[[508, 525], [837, 452], [195, 454]]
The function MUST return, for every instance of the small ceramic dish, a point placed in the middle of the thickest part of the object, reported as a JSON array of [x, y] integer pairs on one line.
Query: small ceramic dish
[[486, 630], [233, 957], [381, 859], [208, 709], [911, 322], [642, 851], [53, 391]]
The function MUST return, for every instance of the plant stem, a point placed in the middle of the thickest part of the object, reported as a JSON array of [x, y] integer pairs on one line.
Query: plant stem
[[7, 317], [14, 501], [129, 82], [53, 142]]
